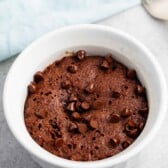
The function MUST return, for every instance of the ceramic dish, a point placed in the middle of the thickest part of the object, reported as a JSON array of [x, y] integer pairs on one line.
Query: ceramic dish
[[94, 39]]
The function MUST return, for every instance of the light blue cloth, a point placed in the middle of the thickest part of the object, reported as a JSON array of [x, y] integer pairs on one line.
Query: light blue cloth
[[22, 21]]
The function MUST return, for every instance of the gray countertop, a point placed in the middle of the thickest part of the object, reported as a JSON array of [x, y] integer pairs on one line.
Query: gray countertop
[[151, 32]]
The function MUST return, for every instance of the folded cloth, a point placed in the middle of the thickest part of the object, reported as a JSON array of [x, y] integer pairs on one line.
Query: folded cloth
[[22, 21]]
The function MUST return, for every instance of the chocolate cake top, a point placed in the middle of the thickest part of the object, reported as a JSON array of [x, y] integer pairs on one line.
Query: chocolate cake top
[[85, 107]]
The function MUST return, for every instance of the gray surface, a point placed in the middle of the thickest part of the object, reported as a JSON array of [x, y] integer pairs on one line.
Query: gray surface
[[151, 32], [12, 155]]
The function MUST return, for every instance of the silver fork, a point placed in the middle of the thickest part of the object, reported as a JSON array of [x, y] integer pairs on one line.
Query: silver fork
[[157, 8]]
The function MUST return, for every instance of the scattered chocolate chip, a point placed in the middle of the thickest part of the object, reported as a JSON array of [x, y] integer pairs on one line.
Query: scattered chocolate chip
[[114, 142], [76, 115], [32, 87], [82, 128], [114, 118], [126, 112], [130, 125], [131, 74], [90, 88], [81, 97], [132, 133], [58, 63], [114, 66], [73, 98], [109, 58], [78, 106], [69, 90], [98, 104], [139, 90], [72, 127], [59, 142], [131, 129], [141, 125], [40, 114], [115, 94], [93, 123], [143, 111], [104, 65], [85, 105], [66, 84], [73, 68], [81, 54], [125, 144], [71, 106], [38, 77]]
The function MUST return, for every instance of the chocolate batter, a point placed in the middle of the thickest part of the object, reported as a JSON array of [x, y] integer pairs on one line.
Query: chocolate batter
[[85, 107]]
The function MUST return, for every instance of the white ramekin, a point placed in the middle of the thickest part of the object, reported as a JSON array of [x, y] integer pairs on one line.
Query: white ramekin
[[96, 40]]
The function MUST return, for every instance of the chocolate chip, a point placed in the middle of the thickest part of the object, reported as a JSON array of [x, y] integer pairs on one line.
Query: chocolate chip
[[40, 114], [59, 142], [93, 123], [32, 88], [72, 127], [114, 118], [114, 66], [104, 65], [98, 104], [82, 128], [125, 144], [109, 58], [69, 90], [73, 68], [139, 90], [81, 54], [126, 112], [132, 133], [114, 142], [66, 84], [130, 125], [143, 111], [141, 125], [71, 106], [58, 63], [131, 74], [78, 106], [90, 88], [85, 105], [131, 129], [115, 94], [81, 97], [38, 77], [73, 98], [76, 115]]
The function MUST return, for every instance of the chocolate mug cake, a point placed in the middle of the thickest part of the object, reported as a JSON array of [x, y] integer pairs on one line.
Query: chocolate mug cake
[[85, 108]]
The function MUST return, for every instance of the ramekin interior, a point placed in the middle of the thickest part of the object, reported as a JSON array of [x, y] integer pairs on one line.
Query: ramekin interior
[[96, 40]]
